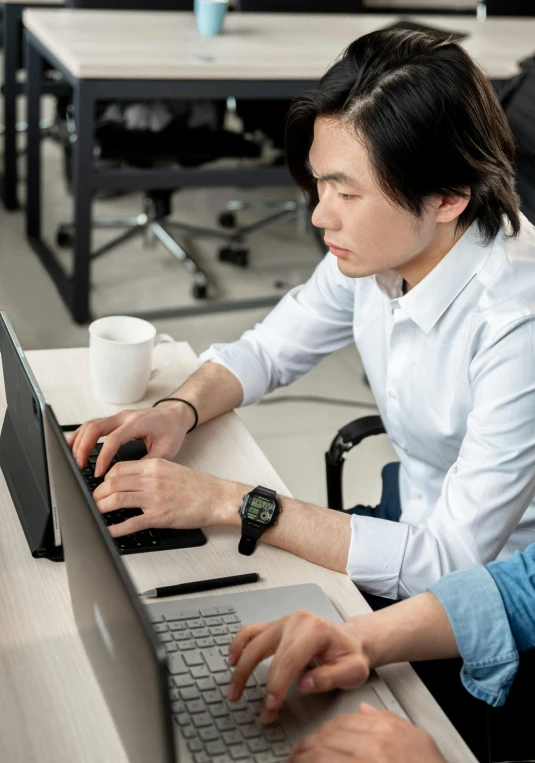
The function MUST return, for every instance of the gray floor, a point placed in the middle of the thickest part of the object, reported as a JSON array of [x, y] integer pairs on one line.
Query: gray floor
[[293, 435]]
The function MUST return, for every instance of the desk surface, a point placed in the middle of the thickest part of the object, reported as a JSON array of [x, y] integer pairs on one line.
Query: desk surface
[[272, 46], [51, 709]]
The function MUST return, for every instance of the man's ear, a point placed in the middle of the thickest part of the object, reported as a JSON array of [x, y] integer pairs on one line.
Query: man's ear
[[451, 206]]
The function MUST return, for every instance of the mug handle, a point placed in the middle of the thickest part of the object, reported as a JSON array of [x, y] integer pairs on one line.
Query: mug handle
[[172, 355]]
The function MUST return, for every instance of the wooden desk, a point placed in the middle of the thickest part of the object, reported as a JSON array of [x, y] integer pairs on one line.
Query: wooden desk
[[134, 55], [11, 32], [51, 709]]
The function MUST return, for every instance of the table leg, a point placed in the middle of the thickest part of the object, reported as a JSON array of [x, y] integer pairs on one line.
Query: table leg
[[34, 64], [82, 187], [12, 52]]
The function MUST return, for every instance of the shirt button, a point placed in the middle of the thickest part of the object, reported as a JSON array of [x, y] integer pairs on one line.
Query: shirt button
[[403, 447], [417, 495], [392, 394]]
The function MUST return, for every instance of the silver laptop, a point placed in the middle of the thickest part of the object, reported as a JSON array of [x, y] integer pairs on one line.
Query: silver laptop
[[162, 667]]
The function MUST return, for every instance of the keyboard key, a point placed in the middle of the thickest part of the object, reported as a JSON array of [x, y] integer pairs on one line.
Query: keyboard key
[[223, 651], [255, 707], [250, 683], [225, 724], [202, 719], [274, 734], [177, 626], [239, 704], [184, 615], [251, 731], [195, 745], [265, 757], [178, 706], [193, 659], [232, 737], [208, 611], [200, 671], [223, 640], [242, 717], [281, 748], [194, 623], [172, 647], [219, 710], [175, 664], [258, 745], [223, 679], [188, 732], [211, 621], [209, 734], [195, 706], [211, 697], [190, 693], [206, 684], [222, 759], [154, 617], [202, 757], [183, 680], [173, 694], [165, 637], [218, 630], [160, 627], [226, 610], [203, 643], [185, 645], [200, 633], [252, 695], [239, 752], [234, 628], [216, 663], [182, 635], [231, 619], [182, 719], [215, 748]]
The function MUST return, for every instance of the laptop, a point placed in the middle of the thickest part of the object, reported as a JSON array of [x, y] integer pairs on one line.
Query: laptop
[[162, 667], [24, 462]]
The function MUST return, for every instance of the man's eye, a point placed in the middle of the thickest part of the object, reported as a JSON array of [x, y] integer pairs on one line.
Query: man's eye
[[346, 196]]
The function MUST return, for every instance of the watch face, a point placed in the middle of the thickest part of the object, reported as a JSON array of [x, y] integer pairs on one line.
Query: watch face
[[260, 510]]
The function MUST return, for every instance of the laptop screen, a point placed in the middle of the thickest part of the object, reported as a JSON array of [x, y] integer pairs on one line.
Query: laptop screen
[[127, 659]]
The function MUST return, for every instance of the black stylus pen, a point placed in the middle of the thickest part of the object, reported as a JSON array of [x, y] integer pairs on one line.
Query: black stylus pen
[[201, 585]]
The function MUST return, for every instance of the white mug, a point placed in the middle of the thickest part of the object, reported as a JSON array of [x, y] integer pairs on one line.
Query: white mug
[[120, 357]]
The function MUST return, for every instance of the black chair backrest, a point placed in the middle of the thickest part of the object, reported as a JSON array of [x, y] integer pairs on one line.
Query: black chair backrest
[[510, 7], [300, 6], [132, 5]]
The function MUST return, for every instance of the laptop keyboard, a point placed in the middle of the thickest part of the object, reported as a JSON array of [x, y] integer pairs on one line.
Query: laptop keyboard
[[214, 729], [141, 539]]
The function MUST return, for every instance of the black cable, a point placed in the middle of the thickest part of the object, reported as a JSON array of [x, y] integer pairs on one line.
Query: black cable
[[317, 399]]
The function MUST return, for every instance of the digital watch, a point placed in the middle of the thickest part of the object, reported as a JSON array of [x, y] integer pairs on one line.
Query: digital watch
[[259, 511]]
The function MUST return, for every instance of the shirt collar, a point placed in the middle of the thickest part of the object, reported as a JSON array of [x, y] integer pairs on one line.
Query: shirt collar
[[430, 299]]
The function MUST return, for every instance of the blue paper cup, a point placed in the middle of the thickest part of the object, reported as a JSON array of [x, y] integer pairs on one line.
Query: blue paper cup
[[209, 15]]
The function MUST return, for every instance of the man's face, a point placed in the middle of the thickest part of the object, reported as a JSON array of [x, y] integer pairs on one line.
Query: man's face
[[363, 229]]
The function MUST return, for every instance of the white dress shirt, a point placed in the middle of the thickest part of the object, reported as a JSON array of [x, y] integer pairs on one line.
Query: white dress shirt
[[452, 368]]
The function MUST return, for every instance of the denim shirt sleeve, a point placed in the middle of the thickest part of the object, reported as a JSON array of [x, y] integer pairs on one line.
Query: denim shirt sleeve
[[479, 620], [515, 578]]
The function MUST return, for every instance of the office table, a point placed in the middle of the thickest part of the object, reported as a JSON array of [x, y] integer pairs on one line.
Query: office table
[[138, 55], [12, 44], [51, 709]]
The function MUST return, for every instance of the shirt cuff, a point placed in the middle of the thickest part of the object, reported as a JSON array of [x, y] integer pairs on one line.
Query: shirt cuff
[[376, 554], [243, 364], [479, 621]]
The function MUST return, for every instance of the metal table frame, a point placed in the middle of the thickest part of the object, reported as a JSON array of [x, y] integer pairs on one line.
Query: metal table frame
[[75, 289]]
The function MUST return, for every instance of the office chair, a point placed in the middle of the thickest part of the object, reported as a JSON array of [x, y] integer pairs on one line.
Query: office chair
[[176, 144]]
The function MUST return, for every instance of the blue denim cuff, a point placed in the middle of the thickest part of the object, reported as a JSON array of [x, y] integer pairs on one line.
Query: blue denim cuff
[[515, 579], [479, 621]]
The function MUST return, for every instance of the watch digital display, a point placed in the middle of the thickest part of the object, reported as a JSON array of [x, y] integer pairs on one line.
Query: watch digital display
[[260, 510]]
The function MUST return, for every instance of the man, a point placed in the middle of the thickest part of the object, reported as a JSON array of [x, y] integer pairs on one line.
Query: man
[[431, 272], [485, 615]]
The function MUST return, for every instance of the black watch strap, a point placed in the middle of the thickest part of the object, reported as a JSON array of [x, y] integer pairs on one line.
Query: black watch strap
[[250, 534]]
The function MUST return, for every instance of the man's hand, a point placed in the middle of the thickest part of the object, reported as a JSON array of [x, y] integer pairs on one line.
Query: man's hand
[[296, 641], [371, 736], [162, 428], [170, 495]]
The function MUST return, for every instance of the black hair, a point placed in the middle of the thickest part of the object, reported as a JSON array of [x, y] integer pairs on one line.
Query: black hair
[[429, 119]]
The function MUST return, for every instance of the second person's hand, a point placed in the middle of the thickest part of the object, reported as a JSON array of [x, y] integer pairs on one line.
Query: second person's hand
[[162, 428]]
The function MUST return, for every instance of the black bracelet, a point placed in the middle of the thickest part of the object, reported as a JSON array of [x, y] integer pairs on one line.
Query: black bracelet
[[180, 400]]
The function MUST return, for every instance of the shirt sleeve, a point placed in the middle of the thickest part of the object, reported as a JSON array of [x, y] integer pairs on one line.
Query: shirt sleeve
[[515, 579], [480, 623], [308, 324], [484, 494]]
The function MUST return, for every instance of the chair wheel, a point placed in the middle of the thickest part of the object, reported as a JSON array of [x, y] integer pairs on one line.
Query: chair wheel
[[199, 291], [238, 257], [64, 238], [227, 220]]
